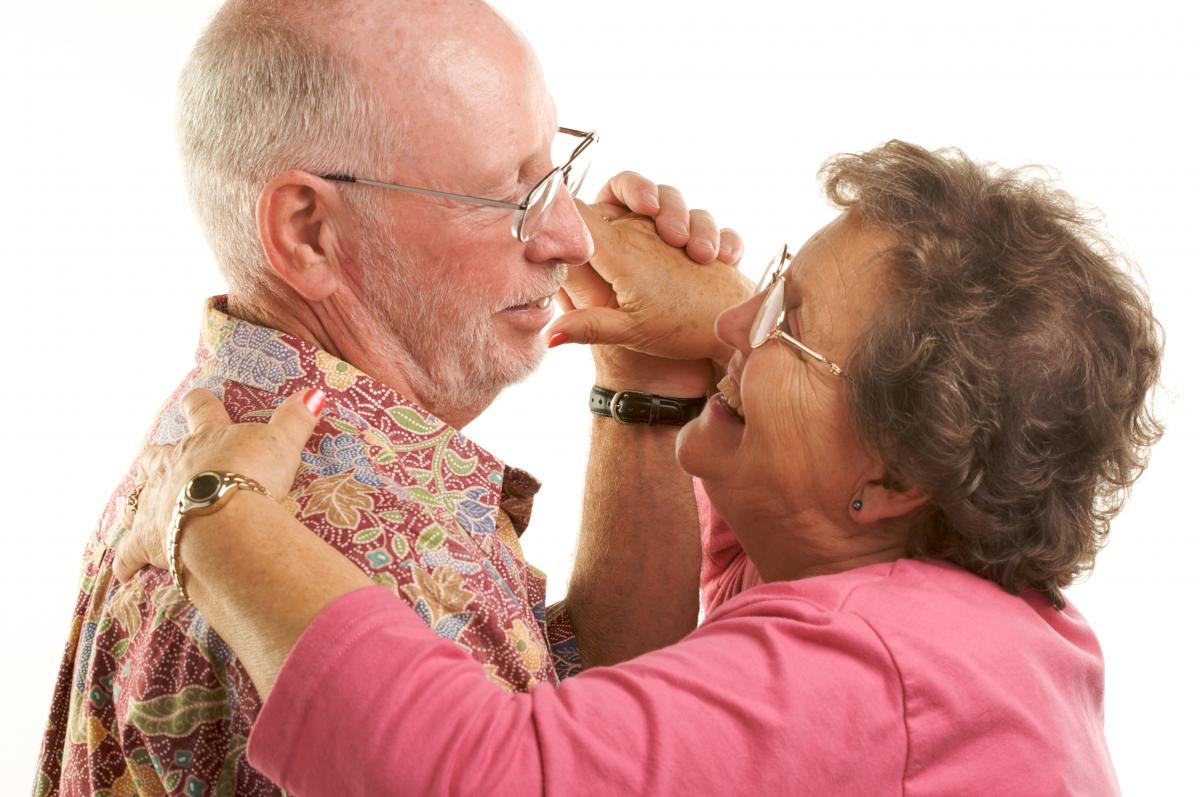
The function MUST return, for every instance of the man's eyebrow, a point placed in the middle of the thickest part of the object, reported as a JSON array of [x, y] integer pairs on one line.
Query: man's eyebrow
[[500, 182]]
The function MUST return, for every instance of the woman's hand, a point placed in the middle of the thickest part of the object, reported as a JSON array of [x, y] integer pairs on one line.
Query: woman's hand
[[269, 453]]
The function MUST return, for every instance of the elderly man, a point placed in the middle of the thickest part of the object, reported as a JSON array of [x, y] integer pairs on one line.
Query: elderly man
[[377, 184]]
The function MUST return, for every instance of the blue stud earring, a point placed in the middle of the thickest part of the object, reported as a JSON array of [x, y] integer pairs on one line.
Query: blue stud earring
[[856, 504]]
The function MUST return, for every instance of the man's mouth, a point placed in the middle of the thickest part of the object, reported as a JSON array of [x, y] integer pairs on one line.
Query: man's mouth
[[536, 304], [729, 396]]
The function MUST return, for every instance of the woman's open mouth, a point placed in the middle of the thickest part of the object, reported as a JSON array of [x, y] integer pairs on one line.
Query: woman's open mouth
[[729, 397]]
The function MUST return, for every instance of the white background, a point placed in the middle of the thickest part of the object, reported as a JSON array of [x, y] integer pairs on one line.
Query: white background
[[738, 103]]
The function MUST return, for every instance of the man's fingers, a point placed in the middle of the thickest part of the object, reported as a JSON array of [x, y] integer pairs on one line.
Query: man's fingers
[[731, 247], [631, 190], [204, 411], [296, 418], [672, 220], [704, 238], [594, 325]]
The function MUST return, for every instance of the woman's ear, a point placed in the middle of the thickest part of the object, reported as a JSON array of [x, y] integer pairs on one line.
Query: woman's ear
[[300, 217], [876, 502], [881, 496]]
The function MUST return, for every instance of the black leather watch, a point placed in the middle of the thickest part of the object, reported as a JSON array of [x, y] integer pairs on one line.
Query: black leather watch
[[630, 406]]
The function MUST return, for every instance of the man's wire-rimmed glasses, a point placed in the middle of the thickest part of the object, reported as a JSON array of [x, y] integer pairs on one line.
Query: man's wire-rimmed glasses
[[771, 319], [530, 213]]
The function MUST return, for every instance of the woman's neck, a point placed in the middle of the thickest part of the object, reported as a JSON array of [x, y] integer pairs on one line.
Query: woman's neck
[[789, 542]]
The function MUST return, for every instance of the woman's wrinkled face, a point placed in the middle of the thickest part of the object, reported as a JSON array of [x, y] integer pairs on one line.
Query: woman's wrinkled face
[[789, 446]]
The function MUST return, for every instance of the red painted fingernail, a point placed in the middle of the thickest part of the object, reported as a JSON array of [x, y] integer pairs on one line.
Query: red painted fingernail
[[315, 400], [556, 339]]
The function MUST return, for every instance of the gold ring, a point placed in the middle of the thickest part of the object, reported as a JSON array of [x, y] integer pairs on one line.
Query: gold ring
[[131, 503]]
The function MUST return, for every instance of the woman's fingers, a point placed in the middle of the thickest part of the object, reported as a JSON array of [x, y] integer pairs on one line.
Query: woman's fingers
[[203, 411], [129, 559], [586, 288], [593, 325], [296, 418], [147, 523]]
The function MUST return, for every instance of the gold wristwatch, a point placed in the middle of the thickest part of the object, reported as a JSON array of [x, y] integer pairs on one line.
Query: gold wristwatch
[[204, 493]]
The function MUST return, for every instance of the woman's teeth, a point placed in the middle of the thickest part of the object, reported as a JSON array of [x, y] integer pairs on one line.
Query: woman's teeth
[[729, 396]]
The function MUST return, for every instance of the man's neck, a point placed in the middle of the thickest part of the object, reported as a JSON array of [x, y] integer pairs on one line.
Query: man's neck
[[351, 336]]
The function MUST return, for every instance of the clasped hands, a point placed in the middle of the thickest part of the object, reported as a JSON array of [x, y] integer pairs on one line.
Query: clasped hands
[[651, 293]]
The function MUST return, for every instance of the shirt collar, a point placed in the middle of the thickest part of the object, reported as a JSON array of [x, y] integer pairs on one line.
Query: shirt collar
[[273, 361]]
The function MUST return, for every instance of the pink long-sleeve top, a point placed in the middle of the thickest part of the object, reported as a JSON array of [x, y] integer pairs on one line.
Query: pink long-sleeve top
[[912, 677]]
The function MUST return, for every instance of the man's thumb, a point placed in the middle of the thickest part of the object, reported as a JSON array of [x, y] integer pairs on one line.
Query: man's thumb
[[591, 325]]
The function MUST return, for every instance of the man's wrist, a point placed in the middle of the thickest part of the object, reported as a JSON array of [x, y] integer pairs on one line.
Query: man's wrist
[[635, 407], [663, 378], [621, 369]]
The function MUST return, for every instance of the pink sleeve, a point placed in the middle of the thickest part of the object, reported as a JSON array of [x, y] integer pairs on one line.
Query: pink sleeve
[[771, 697], [725, 570]]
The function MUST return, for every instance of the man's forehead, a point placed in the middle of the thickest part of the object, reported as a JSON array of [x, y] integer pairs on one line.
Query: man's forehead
[[469, 94]]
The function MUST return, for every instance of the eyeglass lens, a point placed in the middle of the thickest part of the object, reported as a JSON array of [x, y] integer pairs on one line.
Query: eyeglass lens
[[768, 315], [542, 198]]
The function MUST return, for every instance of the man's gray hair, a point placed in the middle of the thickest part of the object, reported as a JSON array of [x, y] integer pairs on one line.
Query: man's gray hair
[[263, 93]]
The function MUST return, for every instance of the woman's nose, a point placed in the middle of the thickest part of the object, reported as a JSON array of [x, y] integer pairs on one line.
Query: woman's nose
[[733, 325]]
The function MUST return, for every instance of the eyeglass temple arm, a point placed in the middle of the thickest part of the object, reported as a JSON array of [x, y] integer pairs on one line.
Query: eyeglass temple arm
[[821, 358], [495, 203]]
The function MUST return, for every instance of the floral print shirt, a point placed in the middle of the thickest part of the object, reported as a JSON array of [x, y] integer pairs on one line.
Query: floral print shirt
[[150, 701]]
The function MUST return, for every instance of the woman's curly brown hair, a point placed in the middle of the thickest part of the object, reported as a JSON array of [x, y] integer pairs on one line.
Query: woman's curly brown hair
[[1011, 372]]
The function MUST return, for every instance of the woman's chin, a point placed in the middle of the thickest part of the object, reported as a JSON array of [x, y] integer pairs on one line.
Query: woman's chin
[[704, 445]]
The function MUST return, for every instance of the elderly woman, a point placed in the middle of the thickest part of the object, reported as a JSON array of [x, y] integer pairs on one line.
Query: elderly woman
[[933, 412]]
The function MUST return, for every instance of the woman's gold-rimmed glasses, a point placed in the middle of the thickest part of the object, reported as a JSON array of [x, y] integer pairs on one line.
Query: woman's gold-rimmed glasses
[[530, 213], [772, 313]]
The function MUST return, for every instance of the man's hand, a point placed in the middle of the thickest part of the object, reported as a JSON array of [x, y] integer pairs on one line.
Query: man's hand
[[652, 287], [693, 230]]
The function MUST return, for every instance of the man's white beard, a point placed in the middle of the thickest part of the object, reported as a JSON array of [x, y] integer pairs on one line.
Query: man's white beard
[[444, 344]]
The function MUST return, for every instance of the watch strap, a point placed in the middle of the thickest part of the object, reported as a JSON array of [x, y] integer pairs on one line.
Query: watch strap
[[631, 406], [186, 508]]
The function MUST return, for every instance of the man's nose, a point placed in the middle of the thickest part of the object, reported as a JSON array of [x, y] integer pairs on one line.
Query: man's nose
[[564, 236]]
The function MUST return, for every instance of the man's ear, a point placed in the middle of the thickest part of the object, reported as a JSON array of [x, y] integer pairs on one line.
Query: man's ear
[[300, 217]]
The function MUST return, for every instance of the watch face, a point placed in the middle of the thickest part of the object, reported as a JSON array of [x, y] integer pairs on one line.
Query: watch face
[[203, 487]]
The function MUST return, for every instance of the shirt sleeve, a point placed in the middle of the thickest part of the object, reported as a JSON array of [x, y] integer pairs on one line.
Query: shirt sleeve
[[725, 569], [560, 637], [769, 697]]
